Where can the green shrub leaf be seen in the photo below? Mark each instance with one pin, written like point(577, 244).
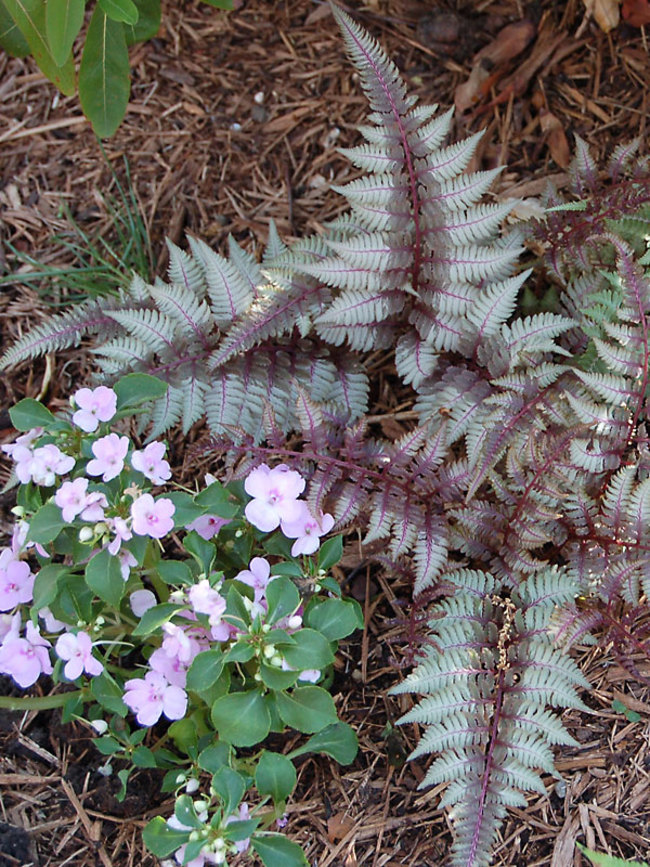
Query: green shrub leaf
point(307, 709)
point(46, 524)
point(148, 22)
point(276, 851)
point(11, 39)
point(205, 670)
point(162, 840)
point(137, 388)
point(155, 617)
point(275, 775)
point(338, 740)
point(104, 75)
point(120, 10)
point(29, 16)
point(104, 577)
point(241, 718)
point(309, 649)
point(335, 618)
point(29, 413)
point(230, 787)
point(63, 20)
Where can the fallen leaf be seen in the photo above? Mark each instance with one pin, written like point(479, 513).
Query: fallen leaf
point(508, 43)
point(606, 13)
point(636, 12)
point(555, 138)
point(338, 826)
point(469, 92)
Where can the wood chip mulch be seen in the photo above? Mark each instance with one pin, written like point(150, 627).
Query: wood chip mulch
point(234, 122)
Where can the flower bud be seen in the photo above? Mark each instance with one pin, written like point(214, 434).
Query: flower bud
point(86, 534)
point(201, 805)
point(266, 627)
point(180, 779)
point(100, 726)
point(269, 651)
point(294, 622)
point(276, 660)
point(192, 785)
point(194, 836)
point(18, 511)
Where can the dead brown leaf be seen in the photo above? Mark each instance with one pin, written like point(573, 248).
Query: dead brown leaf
point(606, 13)
point(636, 12)
point(338, 826)
point(508, 43)
point(555, 138)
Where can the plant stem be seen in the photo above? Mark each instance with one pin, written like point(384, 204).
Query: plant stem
point(37, 702)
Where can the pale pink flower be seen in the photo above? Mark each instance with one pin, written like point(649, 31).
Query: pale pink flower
point(306, 530)
point(25, 659)
point(179, 644)
point(127, 561)
point(122, 534)
point(16, 584)
point(9, 626)
point(93, 509)
point(310, 675)
point(170, 666)
point(256, 576)
point(78, 651)
point(50, 621)
point(153, 695)
point(47, 463)
point(71, 498)
point(22, 451)
point(152, 517)
point(274, 493)
point(19, 541)
point(150, 461)
point(141, 601)
point(95, 405)
point(109, 452)
point(207, 526)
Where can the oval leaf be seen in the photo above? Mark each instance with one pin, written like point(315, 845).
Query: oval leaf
point(104, 76)
point(275, 775)
point(308, 709)
point(104, 577)
point(63, 20)
point(29, 15)
point(120, 10)
point(241, 718)
point(276, 851)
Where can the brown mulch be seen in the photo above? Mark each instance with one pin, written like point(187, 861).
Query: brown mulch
point(234, 121)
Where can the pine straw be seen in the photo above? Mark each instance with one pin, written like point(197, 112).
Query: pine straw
point(234, 121)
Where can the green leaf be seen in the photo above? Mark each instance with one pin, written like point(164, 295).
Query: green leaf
point(241, 718)
point(137, 388)
point(143, 757)
point(63, 20)
point(216, 500)
point(104, 577)
point(184, 734)
point(608, 860)
point(230, 787)
point(309, 649)
point(307, 709)
point(29, 15)
point(107, 693)
point(330, 553)
point(185, 812)
point(275, 850)
point(107, 745)
point(205, 670)
point(104, 74)
point(148, 22)
point(29, 413)
point(120, 10)
point(175, 572)
point(11, 39)
point(275, 775)
point(276, 678)
point(338, 740)
point(46, 524)
point(242, 651)
point(335, 618)
point(46, 585)
point(161, 840)
point(203, 552)
point(283, 598)
point(186, 510)
point(155, 617)
point(214, 757)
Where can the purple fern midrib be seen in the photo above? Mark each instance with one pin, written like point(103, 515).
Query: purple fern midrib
point(413, 183)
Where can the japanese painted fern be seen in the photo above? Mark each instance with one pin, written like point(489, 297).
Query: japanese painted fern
point(524, 487)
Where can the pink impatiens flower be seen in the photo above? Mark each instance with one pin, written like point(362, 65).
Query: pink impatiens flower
point(141, 601)
point(153, 695)
point(16, 581)
point(78, 651)
point(71, 498)
point(204, 599)
point(25, 659)
point(150, 463)
point(207, 526)
point(256, 576)
point(152, 517)
point(47, 463)
point(274, 493)
point(95, 405)
point(109, 452)
point(306, 530)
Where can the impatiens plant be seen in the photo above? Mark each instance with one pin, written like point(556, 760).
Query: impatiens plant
point(210, 637)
